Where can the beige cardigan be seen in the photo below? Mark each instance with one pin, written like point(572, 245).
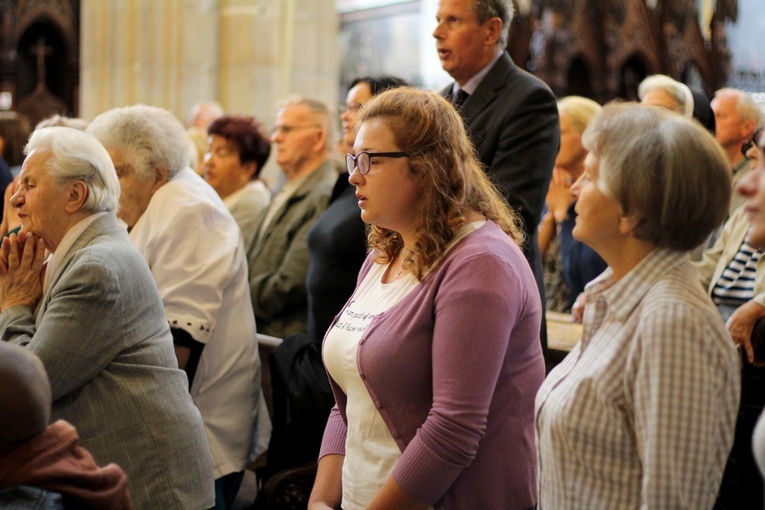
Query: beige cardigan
point(717, 258)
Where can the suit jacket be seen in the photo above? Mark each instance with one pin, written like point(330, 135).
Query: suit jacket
point(512, 119)
point(278, 262)
point(100, 331)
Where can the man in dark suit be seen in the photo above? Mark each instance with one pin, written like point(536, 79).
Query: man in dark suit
point(511, 115)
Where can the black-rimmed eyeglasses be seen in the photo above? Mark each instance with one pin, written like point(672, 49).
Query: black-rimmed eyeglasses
point(363, 160)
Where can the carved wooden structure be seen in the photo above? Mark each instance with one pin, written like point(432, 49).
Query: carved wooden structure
point(602, 49)
point(39, 56)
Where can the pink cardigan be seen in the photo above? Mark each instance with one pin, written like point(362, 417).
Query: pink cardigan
point(453, 369)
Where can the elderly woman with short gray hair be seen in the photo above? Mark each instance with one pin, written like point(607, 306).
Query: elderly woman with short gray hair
point(93, 315)
point(641, 413)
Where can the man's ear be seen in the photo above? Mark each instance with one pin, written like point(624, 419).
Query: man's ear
point(321, 140)
point(493, 30)
point(160, 178)
point(748, 127)
point(77, 195)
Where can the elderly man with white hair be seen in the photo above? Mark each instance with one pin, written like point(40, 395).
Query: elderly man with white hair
point(93, 315)
point(661, 90)
point(196, 254)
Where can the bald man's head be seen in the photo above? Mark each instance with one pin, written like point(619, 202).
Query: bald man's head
point(25, 397)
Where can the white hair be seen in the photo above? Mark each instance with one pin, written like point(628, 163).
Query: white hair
point(75, 156)
point(680, 92)
point(149, 137)
point(746, 106)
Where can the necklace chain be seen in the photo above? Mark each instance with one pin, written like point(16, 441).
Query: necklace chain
point(400, 257)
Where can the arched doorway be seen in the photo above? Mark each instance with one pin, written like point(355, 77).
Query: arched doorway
point(579, 79)
point(631, 74)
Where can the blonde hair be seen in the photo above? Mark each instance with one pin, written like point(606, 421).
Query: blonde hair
point(578, 110)
point(429, 128)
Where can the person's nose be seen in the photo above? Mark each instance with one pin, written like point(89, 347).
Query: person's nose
point(748, 184)
point(577, 186)
point(17, 199)
point(438, 32)
point(355, 177)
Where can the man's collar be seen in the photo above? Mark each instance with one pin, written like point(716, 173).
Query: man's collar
point(472, 83)
point(308, 167)
point(744, 163)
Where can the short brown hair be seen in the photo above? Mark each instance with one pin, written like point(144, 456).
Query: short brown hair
point(666, 171)
point(246, 134)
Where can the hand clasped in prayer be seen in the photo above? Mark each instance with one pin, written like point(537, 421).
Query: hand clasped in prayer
point(22, 259)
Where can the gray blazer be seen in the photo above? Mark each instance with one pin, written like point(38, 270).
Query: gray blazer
point(278, 264)
point(248, 211)
point(100, 331)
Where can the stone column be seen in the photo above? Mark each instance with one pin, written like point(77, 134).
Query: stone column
point(246, 54)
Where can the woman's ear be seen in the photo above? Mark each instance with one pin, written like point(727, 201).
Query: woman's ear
point(77, 195)
point(627, 223)
point(250, 169)
point(160, 178)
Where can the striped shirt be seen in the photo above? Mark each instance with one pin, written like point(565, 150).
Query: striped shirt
point(641, 413)
point(736, 284)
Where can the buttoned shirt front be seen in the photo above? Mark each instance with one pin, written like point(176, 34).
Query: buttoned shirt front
point(641, 413)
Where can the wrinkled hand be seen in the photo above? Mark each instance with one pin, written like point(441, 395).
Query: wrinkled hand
point(741, 324)
point(559, 197)
point(577, 309)
point(21, 270)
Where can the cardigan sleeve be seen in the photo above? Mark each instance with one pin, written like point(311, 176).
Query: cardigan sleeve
point(334, 435)
point(477, 309)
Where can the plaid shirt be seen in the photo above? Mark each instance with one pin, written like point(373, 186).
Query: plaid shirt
point(641, 413)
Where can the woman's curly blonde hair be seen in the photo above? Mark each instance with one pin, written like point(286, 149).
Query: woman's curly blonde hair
point(454, 183)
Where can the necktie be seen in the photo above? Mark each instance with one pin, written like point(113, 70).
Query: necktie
point(459, 98)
